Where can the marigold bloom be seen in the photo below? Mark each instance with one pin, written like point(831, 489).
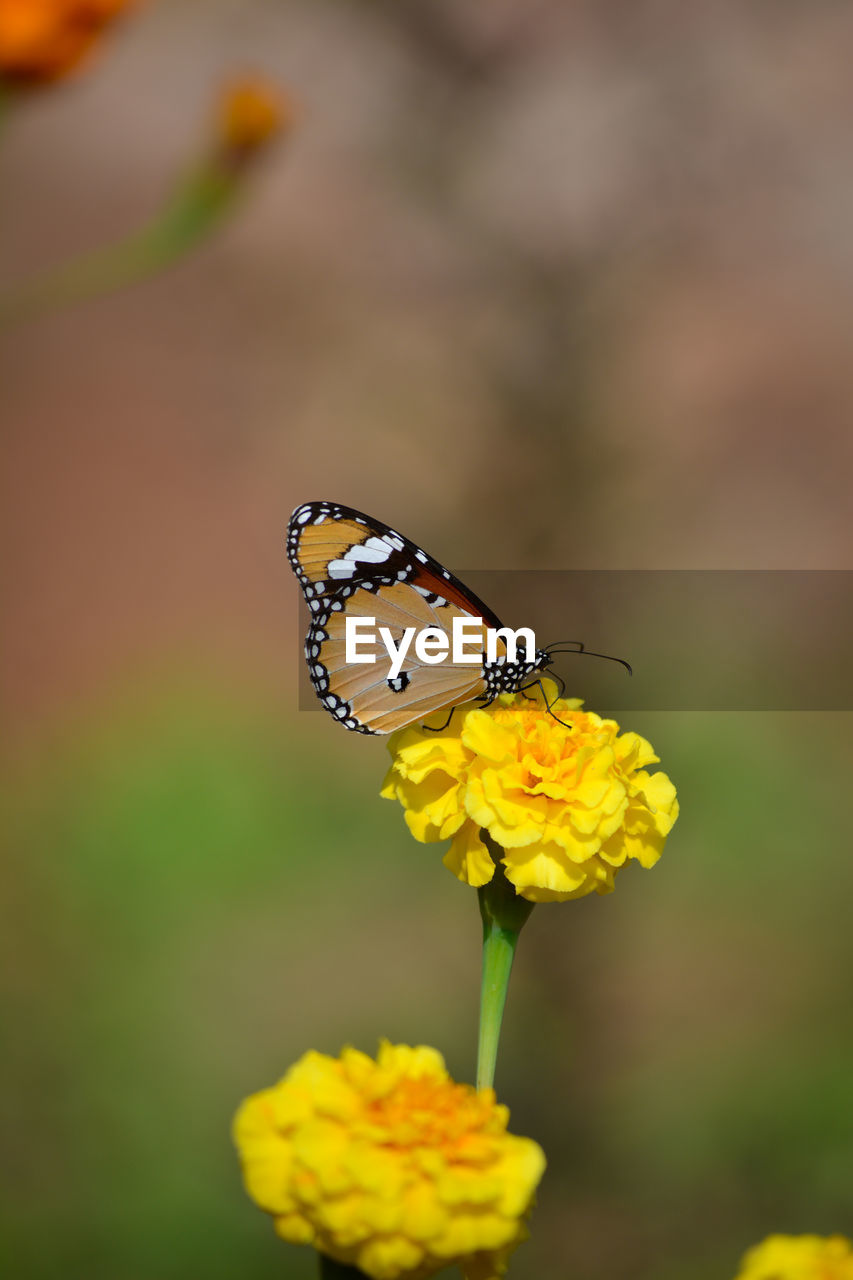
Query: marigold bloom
point(389, 1165)
point(799, 1258)
point(43, 40)
point(567, 804)
point(251, 113)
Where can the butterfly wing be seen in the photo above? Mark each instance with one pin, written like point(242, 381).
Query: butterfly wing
point(366, 696)
point(333, 549)
point(351, 565)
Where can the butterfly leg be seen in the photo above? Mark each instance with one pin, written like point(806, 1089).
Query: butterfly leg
point(561, 683)
point(552, 675)
point(548, 705)
point(428, 728)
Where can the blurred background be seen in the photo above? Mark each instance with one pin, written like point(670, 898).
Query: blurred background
point(546, 285)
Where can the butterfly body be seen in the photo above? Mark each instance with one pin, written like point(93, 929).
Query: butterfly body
point(352, 566)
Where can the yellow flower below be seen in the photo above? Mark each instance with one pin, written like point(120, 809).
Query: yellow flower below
point(388, 1165)
point(799, 1258)
point(567, 804)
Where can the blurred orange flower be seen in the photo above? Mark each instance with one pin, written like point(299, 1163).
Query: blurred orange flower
point(251, 113)
point(43, 40)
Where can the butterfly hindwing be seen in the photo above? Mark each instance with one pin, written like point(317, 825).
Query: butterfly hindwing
point(366, 696)
point(350, 565)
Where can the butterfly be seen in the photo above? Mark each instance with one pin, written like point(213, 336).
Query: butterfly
point(350, 565)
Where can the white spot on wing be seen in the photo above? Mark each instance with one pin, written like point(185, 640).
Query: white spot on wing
point(374, 551)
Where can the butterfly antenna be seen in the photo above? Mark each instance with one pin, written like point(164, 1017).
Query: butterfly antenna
point(588, 653)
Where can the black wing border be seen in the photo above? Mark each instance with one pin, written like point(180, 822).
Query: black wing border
point(414, 553)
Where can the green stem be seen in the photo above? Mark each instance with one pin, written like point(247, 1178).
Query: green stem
point(498, 953)
point(196, 209)
point(504, 914)
point(332, 1270)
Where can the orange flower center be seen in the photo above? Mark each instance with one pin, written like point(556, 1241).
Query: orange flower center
point(541, 736)
point(423, 1112)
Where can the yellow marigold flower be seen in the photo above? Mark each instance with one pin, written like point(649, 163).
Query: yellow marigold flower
point(251, 113)
point(43, 40)
point(567, 804)
point(799, 1258)
point(389, 1165)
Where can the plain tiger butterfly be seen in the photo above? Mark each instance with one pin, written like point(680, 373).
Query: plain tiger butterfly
point(350, 565)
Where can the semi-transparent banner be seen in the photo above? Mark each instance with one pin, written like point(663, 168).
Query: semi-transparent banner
point(697, 639)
